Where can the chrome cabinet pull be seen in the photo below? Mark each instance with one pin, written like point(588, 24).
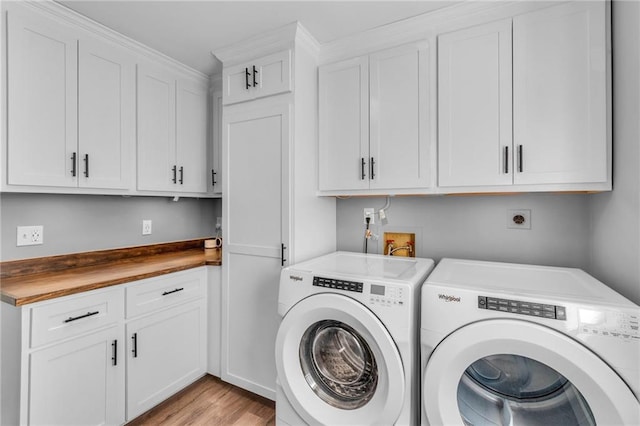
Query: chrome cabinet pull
point(88, 314)
point(172, 291)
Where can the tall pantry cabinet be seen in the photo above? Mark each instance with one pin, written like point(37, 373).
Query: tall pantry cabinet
point(271, 215)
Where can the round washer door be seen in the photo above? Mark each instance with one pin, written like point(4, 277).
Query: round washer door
point(338, 364)
point(516, 372)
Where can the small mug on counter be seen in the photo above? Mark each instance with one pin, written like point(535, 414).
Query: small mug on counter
point(213, 243)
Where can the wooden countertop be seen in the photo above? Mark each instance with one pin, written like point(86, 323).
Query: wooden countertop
point(33, 280)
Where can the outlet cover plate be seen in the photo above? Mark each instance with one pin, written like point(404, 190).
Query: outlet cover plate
point(30, 235)
point(146, 227)
point(519, 219)
point(370, 212)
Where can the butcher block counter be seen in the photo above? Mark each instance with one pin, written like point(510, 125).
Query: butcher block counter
point(33, 280)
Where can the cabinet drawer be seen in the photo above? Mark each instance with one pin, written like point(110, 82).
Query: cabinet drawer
point(262, 77)
point(161, 292)
point(74, 315)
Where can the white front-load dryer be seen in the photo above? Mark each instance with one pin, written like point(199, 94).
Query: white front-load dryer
point(508, 344)
point(347, 348)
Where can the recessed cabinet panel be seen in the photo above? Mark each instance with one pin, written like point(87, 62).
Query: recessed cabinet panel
point(78, 382)
point(255, 143)
point(156, 128)
point(165, 352)
point(106, 115)
point(398, 151)
point(344, 125)
point(474, 106)
point(42, 101)
point(560, 80)
point(191, 128)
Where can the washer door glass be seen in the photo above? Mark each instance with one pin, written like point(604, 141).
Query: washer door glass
point(515, 390)
point(338, 364)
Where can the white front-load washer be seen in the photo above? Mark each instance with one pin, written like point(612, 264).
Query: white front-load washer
point(509, 344)
point(347, 349)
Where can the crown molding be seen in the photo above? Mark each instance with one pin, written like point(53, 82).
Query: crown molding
point(285, 37)
point(71, 17)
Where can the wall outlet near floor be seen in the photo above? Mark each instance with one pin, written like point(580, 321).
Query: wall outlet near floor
point(30, 235)
point(369, 212)
point(519, 219)
point(146, 227)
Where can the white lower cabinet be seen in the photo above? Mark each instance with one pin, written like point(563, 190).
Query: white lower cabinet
point(165, 352)
point(78, 382)
point(78, 360)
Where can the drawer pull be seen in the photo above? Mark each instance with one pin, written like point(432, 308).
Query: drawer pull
point(88, 314)
point(172, 291)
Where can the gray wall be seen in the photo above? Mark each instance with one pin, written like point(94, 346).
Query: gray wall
point(476, 227)
point(76, 223)
point(598, 233)
point(615, 216)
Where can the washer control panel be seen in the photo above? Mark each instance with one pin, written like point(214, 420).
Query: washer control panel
point(337, 284)
point(386, 295)
point(523, 308)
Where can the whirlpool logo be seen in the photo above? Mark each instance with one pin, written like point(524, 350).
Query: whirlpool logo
point(295, 278)
point(448, 298)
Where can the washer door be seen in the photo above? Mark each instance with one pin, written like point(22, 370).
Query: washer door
point(510, 372)
point(338, 364)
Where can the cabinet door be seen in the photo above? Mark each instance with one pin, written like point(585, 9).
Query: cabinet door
point(256, 215)
point(106, 114)
point(216, 148)
point(157, 166)
point(262, 77)
point(78, 382)
point(399, 135)
point(344, 125)
point(560, 96)
point(191, 131)
point(474, 106)
point(42, 101)
point(166, 351)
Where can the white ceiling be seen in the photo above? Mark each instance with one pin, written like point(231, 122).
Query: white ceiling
point(189, 30)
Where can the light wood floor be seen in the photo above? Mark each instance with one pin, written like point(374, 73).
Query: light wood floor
point(210, 401)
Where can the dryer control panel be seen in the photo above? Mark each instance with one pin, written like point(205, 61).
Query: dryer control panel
point(386, 295)
point(523, 307)
point(338, 284)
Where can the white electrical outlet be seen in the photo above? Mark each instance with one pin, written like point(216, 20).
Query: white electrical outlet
point(519, 219)
point(30, 235)
point(146, 227)
point(369, 212)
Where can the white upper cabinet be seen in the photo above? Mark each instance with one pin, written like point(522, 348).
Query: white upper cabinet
point(172, 131)
point(42, 101)
point(560, 96)
point(374, 121)
point(106, 115)
point(71, 107)
point(265, 76)
point(474, 106)
point(344, 124)
point(534, 121)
